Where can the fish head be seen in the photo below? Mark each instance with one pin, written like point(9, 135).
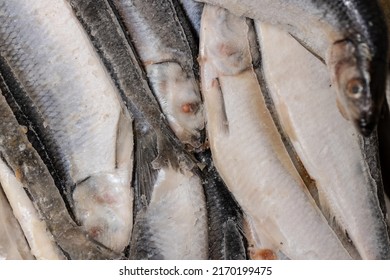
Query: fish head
point(360, 83)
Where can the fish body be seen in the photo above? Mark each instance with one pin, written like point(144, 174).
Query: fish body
point(173, 223)
point(165, 47)
point(81, 123)
point(327, 145)
point(350, 36)
point(259, 173)
point(35, 199)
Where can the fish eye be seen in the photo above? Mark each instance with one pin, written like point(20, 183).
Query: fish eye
point(355, 87)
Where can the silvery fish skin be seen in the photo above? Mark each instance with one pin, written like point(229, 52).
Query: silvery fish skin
point(13, 244)
point(173, 224)
point(259, 173)
point(225, 218)
point(350, 36)
point(31, 191)
point(331, 152)
point(162, 40)
point(118, 54)
point(87, 132)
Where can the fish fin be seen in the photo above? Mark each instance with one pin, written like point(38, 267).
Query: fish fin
point(234, 245)
point(145, 174)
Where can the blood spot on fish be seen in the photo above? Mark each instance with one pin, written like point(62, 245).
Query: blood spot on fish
point(189, 108)
point(105, 198)
point(262, 254)
point(95, 232)
point(226, 50)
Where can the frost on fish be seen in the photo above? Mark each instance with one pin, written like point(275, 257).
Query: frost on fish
point(327, 144)
point(173, 224)
point(166, 51)
point(13, 244)
point(350, 36)
point(60, 87)
point(259, 173)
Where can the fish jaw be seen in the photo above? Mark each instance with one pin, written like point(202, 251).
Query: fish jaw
point(360, 83)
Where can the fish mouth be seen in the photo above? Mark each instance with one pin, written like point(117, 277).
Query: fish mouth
point(365, 124)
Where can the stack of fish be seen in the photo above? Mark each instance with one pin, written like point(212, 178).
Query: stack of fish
point(167, 129)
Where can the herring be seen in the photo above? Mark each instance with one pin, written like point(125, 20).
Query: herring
point(60, 84)
point(167, 49)
point(247, 149)
point(350, 36)
point(339, 160)
point(173, 224)
point(35, 199)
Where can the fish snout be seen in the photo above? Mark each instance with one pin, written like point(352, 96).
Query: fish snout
point(366, 122)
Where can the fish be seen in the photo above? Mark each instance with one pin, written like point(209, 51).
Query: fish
point(173, 225)
point(167, 50)
point(226, 237)
point(36, 201)
point(13, 244)
point(247, 149)
point(170, 219)
point(349, 36)
point(117, 52)
point(328, 146)
point(59, 84)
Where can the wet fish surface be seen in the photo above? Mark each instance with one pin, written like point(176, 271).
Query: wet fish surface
point(167, 49)
point(59, 84)
point(339, 160)
point(260, 174)
point(350, 36)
